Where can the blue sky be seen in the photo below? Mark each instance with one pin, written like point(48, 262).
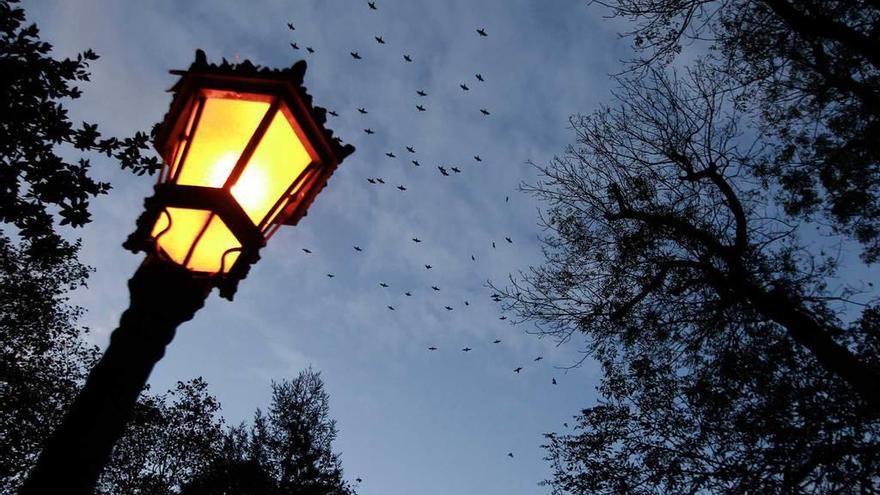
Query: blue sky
point(410, 420)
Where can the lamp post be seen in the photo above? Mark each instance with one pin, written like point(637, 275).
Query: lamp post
point(244, 152)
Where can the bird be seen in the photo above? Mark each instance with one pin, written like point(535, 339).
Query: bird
point(517, 370)
point(307, 251)
point(482, 32)
point(565, 425)
point(508, 240)
point(310, 49)
point(330, 275)
point(380, 181)
point(502, 318)
point(448, 308)
point(421, 93)
point(443, 171)
point(390, 155)
point(432, 348)
point(362, 111)
point(391, 308)
point(369, 131)
point(456, 170)
point(407, 294)
point(290, 26)
point(428, 267)
point(372, 5)
point(358, 249)
point(538, 358)
point(407, 58)
point(477, 158)
point(464, 87)
point(435, 287)
point(473, 258)
point(484, 111)
point(379, 40)
point(467, 303)
point(420, 108)
point(401, 188)
point(410, 149)
point(506, 199)
point(383, 284)
point(496, 341)
point(493, 244)
point(358, 480)
point(467, 349)
point(554, 381)
point(480, 77)
point(510, 454)
point(416, 163)
point(416, 239)
point(331, 112)
point(355, 55)
point(294, 46)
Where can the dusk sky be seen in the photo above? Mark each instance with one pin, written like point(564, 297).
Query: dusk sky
point(411, 421)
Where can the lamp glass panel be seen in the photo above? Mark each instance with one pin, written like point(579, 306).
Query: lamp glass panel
point(213, 246)
point(277, 161)
point(223, 130)
point(178, 229)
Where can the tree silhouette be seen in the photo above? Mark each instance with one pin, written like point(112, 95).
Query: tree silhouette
point(729, 365)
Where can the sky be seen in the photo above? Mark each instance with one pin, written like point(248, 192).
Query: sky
point(410, 420)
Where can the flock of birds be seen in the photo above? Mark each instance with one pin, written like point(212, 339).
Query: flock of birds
point(411, 153)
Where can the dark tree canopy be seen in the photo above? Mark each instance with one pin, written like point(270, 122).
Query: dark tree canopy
point(729, 366)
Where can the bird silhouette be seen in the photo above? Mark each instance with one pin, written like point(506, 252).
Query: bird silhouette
point(407, 294)
point(416, 163)
point(482, 32)
point(472, 258)
point(372, 5)
point(477, 158)
point(390, 155)
point(538, 358)
point(331, 112)
point(379, 40)
point(330, 275)
point(467, 349)
point(410, 149)
point(310, 49)
point(401, 188)
point(362, 111)
point(565, 425)
point(456, 170)
point(428, 267)
point(493, 244)
point(510, 454)
point(480, 78)
point(355, 55)
point(484, 111)
point(496, 341)
point(506, 199)
point(502, 318)
point(307, 251)
point(294, 46)
point(508, 240)
point(416, 239)
point(358, 249)
point(517, 370)
point(358, 480)
point(391, 308)
point(432, 348)
point(383, 284)
point(420, 108)
point(443, 171)
point(407, 58)
point(464, 87)
point(380, 181)
point(421, 93)
point(448, 308)
point(467, 303)
point(290, 26)
point(369, 131)
point(435, 287)
point(554, 381)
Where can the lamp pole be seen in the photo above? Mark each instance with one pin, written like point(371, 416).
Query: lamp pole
point(163, 296)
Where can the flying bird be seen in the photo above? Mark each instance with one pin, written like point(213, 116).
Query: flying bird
point(467, 303)
point(358, 480)
point(493, 244)
point(538, 358)
point(510, 454)
point(467, 349)
point(508, 240)
point(496, 341)
point(482, 32)
point(391, 308)
point(477, 158)
point(401, 188)
point(448, 308)
point(435, 287)
point(420, 108)
point(407, 58)
point(506, 199)
point(421, 93)
point(369, 131)
point(390, 155)
point(380, 181)
point(379, 40)
point(307, 251)
point(330, 275)
point(416, 239)
point(362, 111)
point(372, 5)
point(355, 55)
point(484, 111)
point(464, 87)
point(383, 284)
point(428, 267)
point(554, 381)
point(358, 248)
point(410, 149)
point(290, 26)
point(502, 318)
point(407, 294)
point(517, 370)
point(432, 348)
point(456, 170)
point(472, 258)
point(310, 49)
point(416, 163)
point(443, 171)
point(331, 112)
point(480, 78)
point(294, 46)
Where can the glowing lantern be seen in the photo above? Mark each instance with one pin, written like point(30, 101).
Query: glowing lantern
point(244, 152)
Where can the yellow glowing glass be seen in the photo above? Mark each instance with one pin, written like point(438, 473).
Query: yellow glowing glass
point(179, 228)
point(278, 160)
point(222, 132)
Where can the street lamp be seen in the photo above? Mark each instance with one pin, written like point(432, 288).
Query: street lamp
point(244, 152)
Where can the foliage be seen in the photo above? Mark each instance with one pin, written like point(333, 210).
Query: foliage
point(728, 367)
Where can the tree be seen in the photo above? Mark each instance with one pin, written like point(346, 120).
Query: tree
point(809, 70)
point(728, 364)
point(289, 450)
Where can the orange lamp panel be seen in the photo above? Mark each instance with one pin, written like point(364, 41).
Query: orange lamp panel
point(181, 231)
